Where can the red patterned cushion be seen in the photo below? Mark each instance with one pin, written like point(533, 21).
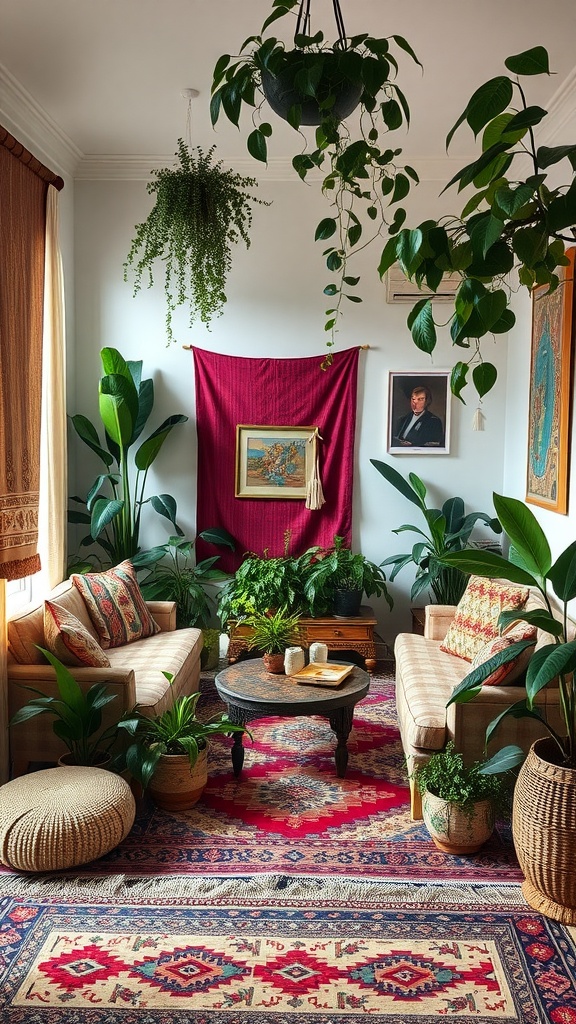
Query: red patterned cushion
point(476, 618)
point(67, 638)
point(115, 605)
point(512, 670)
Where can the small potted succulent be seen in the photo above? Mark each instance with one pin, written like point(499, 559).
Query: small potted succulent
point(458, 802)
point(169, 753)
point(272, 634)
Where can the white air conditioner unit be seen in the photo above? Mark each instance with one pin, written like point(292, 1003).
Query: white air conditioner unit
point(400, 289)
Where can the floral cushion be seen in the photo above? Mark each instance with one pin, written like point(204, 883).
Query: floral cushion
point(67, 638)
point(512, 670)
point(476, 618)
point(116, 605)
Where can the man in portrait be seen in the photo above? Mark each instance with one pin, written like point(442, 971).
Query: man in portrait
point(419, 428)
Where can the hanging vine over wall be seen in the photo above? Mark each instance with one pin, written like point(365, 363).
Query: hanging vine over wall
point(201, 210)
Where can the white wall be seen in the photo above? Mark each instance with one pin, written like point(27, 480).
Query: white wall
point(275, 309)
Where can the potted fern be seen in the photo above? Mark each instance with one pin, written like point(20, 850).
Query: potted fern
point(201, 210)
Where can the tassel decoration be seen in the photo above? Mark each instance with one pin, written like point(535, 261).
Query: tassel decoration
point(478, 421)
point(314, 493)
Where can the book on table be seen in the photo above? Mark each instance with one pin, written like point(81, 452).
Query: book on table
point(322, 673)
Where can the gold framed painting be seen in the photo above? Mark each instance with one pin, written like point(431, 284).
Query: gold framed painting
point(273, 462)
point(549, 406)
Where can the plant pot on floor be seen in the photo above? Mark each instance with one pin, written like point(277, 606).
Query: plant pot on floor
point(455, 829)
point(544, 830)
point(175, 786)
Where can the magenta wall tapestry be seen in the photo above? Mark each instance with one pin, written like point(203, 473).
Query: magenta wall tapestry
point(233, 390)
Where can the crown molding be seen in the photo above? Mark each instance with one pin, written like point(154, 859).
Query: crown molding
point(561, 110)
point(34, 128)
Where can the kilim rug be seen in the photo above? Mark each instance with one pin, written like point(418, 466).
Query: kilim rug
point(288, 812)
point(274, 951)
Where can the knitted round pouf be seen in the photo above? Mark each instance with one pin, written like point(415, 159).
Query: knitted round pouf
point(61, 817)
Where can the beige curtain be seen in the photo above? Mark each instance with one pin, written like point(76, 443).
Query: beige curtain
point(53, 453)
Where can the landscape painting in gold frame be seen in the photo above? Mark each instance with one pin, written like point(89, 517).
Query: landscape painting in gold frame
point(549, 407)
point(273, 462)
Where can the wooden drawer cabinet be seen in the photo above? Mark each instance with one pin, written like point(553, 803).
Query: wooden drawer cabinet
point(340, 634)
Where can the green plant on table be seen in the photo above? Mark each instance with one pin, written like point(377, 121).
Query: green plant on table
point(314, 82)
point(200, 211)
point(77, 715)
point(177, 730)
point(260, 584)
point(530, 564)
point(326, 570)
point(446, 775)
point(125, 405)
point(449, 529)
point(272, 633)
point(178, 579)
point(514, 221)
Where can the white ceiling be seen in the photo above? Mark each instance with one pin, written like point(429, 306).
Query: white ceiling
point(110, 73)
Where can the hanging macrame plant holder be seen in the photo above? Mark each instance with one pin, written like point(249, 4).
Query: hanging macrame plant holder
point(279, 89)
point(314, 493)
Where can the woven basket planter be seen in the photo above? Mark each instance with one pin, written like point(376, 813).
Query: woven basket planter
point(175, 786)
point(454, 830)
point(544, 830)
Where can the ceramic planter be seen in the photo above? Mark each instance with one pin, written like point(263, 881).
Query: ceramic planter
point(454, 830)
point(544, 830)
point(175, 786)
point(274, 663)
point(347, 603)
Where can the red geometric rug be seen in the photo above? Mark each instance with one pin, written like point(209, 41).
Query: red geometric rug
point(288, 813)
point(238, 955)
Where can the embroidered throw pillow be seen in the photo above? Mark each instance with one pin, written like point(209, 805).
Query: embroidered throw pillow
point(67, 638)
point(512, 670)
point(116, 605)
point(476, 618)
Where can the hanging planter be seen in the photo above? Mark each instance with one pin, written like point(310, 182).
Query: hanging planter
point(316, 83)
point(201, 210)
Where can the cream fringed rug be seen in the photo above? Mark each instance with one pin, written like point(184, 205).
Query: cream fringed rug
point(274, 949)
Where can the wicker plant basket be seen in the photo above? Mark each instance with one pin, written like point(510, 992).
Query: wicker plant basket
point(175, 786)
point(454, 830)
point(544, 830)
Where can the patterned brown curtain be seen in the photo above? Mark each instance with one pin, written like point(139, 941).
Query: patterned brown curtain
point(23, 185)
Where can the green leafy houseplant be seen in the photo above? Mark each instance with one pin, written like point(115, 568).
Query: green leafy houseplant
point(513, 221)
point(329, 570)
point(125, 404)
point(77, 715)
point(260, 584)
point(445, 775)
point(362, 178)
point(273, 633)
point(178, 579)
point(449, 529)
point(177, 730)
point(200, 211)
point(530, 564)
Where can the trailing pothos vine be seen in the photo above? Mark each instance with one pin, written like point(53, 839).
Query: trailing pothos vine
point(362, 176)
point(201, 210)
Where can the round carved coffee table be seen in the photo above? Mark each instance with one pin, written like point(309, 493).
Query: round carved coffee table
point(251, 692)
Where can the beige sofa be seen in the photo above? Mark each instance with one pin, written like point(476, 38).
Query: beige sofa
point(425, 679)
point(135, 673)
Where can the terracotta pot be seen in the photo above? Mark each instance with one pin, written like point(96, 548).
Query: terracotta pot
point(454, 830)
point(175, 786)
point(274, 663)
point(544, 830)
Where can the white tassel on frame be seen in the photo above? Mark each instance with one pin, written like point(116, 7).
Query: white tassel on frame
point(314, 493)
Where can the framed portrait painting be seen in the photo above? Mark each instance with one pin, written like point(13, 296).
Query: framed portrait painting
point(419, 412)
point(273, 462)
point(550, 393)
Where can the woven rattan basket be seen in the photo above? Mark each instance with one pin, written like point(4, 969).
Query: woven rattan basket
point(544, 829)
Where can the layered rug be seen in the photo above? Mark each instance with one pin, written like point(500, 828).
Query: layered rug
point(289, 813)
point(268, 950)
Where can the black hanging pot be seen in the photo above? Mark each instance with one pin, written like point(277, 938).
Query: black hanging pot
point(347, 603)
point(281, 94)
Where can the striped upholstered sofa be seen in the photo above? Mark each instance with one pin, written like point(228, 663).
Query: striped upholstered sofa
point(135, 673)
point(425, 679)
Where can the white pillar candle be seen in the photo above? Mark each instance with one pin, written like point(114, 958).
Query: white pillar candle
point(293, 660)
point(318, 652)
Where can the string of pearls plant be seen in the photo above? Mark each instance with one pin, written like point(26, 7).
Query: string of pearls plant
point(201, 210)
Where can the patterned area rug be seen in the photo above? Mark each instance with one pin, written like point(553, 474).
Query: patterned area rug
point(289, 813)
point(269, 951)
